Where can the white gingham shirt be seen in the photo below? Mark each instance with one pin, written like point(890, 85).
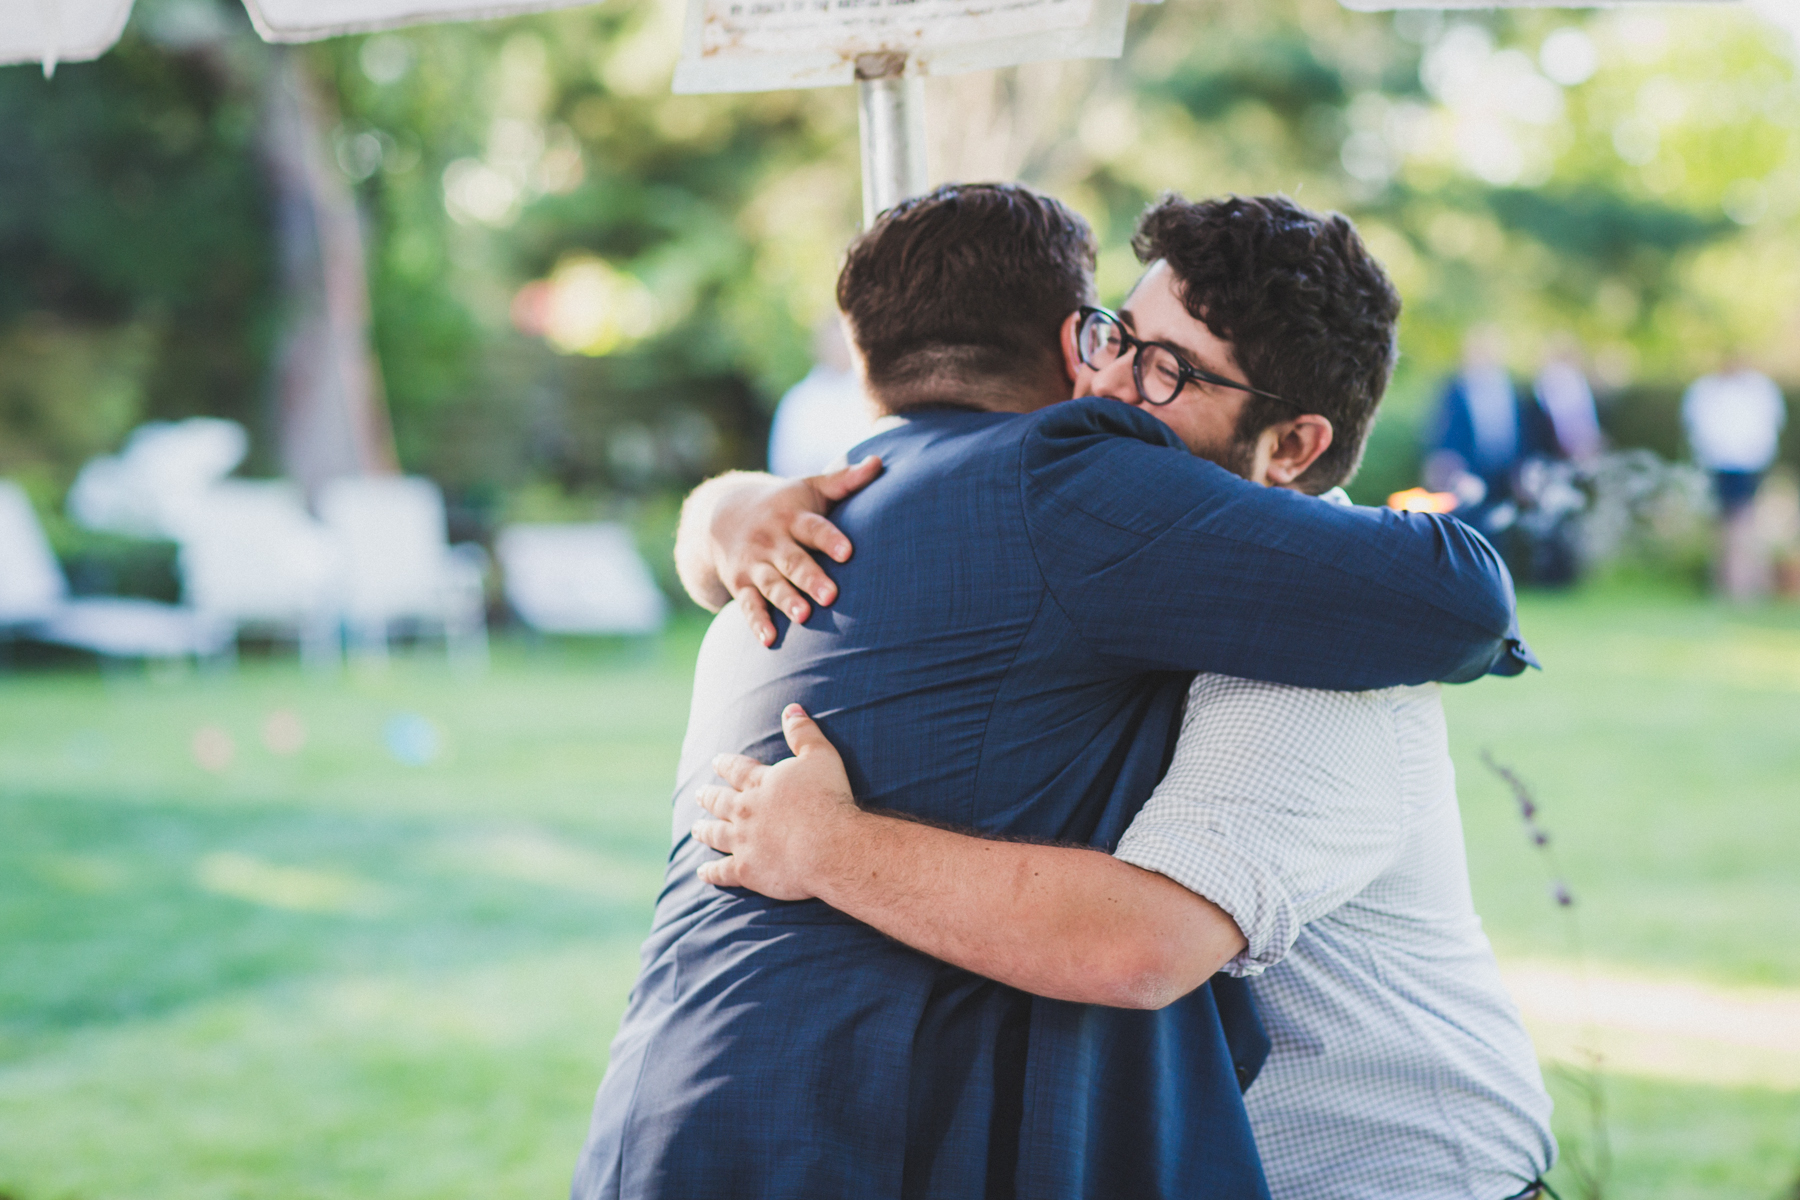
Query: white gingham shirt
point(1326, 824)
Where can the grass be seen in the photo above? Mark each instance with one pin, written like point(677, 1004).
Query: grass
point(329, 973)
point(1663, 741)
point(326, 973)
point(1663, 738)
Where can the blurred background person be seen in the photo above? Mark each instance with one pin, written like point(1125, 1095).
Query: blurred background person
point(823, 415)
point(1559, 444)
point(1476, 438)
point(1733, 418)
point(1567, 403)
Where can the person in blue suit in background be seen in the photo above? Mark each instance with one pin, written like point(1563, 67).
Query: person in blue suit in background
point(1048, 577)
point(1477, 437)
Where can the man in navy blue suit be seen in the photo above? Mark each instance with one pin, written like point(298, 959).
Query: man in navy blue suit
point(1045, 583)
point(1478, 436)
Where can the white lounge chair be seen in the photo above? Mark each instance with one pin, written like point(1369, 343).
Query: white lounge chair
point(586, 578)
point(399, 565)
point(35, 603)
point(152, 486)
point(253, 559)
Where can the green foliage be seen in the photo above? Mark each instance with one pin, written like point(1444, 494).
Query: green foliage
point(1280, 73)
point(108, 564)
point(570, 114)
point(67, 393)
point(131, 208)
point(1602, 229)
point(1647, 415)
point(1650, 208)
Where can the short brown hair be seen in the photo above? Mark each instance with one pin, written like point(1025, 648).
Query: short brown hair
point(966, 287)
point(1310, 312)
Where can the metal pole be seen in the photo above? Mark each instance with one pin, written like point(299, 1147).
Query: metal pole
point(893, 132)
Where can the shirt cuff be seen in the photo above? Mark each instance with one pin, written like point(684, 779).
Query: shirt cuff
point(1516, 658)
point(1211, 866)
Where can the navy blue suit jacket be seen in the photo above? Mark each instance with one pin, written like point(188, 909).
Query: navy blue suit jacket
point(1009, 654)
point(1453, 429)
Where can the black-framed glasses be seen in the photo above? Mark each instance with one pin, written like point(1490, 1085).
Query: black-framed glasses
point(1158, 369)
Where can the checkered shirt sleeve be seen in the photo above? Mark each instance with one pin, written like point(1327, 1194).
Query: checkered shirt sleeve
point(1281, 804)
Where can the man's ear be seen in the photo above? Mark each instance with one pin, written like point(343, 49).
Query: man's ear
point(1071, 356)
point(1293, 446)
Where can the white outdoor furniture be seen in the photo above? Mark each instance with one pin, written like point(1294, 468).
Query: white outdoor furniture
point(253, 559)
point(35, 601)
point(152, 486)
point(32, 586)
point(399, 565)
point(585, 578)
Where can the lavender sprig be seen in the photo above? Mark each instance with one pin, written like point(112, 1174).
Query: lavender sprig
point(1540, 837)
point(1589, 1163)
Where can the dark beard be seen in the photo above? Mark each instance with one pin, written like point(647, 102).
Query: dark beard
point(1239, 457)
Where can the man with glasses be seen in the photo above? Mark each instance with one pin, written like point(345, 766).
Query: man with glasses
point(1306, 839)
point(1009, 653)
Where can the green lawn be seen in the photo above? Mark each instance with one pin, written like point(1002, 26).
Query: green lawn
point(328, 973)
point(1663, 741)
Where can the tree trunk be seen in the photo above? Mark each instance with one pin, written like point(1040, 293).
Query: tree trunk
point(332, 418)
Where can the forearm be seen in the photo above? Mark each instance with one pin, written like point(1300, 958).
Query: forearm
point(694, 561)
point(1064, 922)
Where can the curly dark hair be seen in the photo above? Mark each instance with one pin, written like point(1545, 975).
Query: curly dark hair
point(1309, 311)
point(964, 290)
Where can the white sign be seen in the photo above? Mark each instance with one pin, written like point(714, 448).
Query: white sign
point(53, 31)
point(868, 26)
point(66, 31)
point(760, 45)
point(1388, 5)
point(310, 20)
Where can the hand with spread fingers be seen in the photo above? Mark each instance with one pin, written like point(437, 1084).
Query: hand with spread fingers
point(778, 824)
point(760, 547)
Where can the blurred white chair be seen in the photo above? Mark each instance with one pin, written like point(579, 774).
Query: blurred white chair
point(399, 565)
point(152, 486)
point(32, 586)
point(579, 579)
point(35, 601)
point(253, 558)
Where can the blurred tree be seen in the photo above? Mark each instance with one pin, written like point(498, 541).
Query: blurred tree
point(332, 418)
point(1546, 170)
point(134, 252)
point(577, 277)
point(635, 272)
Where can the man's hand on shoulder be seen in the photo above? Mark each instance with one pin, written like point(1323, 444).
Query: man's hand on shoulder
point(746, 536)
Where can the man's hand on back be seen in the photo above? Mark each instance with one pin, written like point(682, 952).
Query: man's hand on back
point(1067, 922)
point(746, 537)
point(778, 837)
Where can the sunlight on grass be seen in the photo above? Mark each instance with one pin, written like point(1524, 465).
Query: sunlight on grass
point(297, 889)
point(1672, 1029)
point(532, 857)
